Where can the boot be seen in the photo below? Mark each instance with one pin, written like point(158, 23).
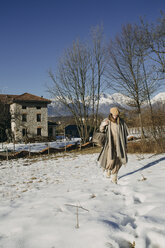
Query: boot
point(114, 178)
point(108, 173)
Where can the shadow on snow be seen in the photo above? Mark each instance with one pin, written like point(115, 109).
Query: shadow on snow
point(143, 168)
point(112, 224)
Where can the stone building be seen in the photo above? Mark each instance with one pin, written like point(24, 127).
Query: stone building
point(29, 116)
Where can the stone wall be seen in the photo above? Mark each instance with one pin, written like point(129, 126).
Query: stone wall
point(31, 124)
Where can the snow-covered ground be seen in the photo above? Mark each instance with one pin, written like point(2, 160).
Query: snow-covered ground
point(37, 196)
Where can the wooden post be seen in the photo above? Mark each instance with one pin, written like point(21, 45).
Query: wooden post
point(77, 217)
point(29, 149)
point(48, 149)
point(7, 154)
point(14, 146)
point(65, 139)
point(77, 224)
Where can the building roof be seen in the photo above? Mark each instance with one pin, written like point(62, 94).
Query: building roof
point(4, 98)
point(26, 97)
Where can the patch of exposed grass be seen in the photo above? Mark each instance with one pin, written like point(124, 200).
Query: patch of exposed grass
point(33, 178)
point(147, 146)
point(25, 190)
point(76, 152)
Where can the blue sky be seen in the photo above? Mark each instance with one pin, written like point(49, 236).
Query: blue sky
point(34, 34)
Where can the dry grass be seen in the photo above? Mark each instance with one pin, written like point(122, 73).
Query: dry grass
point(138, 146)
point(55, 156)
point(147, 146)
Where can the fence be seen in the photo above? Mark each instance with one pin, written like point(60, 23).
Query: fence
point(12, 151)
point(136, 131)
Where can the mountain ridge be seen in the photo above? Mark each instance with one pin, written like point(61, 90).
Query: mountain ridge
point(106, 102)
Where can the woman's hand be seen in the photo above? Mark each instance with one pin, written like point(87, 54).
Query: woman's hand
point(105, 123)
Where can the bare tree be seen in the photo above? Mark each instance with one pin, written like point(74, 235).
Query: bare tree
point(154, 43)
point(78, 81)
point(137, 61)
point(98, 66)
point(151, 49)
point(149, 77)
point(71, 85)
point(125, 69)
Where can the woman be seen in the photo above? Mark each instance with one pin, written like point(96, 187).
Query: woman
point(113, 154)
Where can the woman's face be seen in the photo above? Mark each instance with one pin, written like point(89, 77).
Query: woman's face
point(115, 117)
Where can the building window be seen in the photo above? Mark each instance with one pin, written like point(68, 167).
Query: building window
point(24, 132)
point(38, 107)
point(39, 131)
point(24, 117)
point(38, 117)
point(24, 107)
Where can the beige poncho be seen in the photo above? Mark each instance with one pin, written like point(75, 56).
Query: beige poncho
point(116, 142)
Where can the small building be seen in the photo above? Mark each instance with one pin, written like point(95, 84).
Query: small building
point(72, 131)
point(29, 116)
point(52, 129)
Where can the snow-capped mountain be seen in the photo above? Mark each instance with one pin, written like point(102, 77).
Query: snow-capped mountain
point(57, 109)
point(106, 102)
point(117, 99)
point(158, 98)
